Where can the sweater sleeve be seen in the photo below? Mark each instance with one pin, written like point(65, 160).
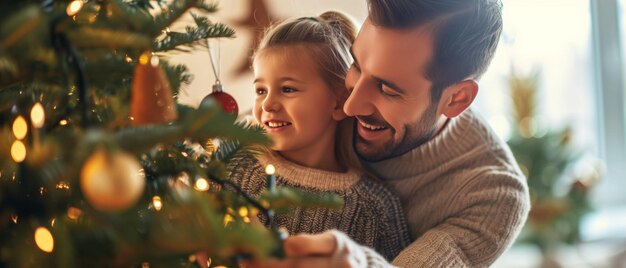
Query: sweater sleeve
point(489, 213)
point(359, 256)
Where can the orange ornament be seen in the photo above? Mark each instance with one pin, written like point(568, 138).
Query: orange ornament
point(152, 101)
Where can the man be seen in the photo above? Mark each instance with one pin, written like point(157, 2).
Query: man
point(414, 75)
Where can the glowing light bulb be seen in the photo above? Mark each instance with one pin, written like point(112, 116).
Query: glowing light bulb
point(228, 219)
point(73, 213)
point(20, 128)
point(37, 115)
point(74, 7)
point(63, 122)
point(270, 169)
point(18, 151)
point(154, 61)
point(144, 58)
point(156, 202)
point(243, 211)
point(44, 239)
point(201, 184)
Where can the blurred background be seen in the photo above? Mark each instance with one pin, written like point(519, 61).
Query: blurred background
point(554, 92)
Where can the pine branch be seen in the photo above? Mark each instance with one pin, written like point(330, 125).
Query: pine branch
point(19, 25)
point(226, 150)
point(137, 18)
point(175, 10)
point(8, 69)
point(208, 121)
point(192, 36)
point(285, 197)
point(93, 37)
point(177, 75)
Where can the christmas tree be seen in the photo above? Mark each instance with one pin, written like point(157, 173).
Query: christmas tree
point(559, 194)
point(100, 166)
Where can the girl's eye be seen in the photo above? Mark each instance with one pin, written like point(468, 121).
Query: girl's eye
point(289, 89)
point(260, 91)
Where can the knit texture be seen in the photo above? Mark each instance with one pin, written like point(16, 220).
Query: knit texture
point(372, 214)
point(463, 194)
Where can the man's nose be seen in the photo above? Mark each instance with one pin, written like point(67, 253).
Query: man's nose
point(359, 103)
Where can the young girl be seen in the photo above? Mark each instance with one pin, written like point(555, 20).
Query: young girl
point(299, 72)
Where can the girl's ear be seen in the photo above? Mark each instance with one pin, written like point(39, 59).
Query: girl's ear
point(338, 113)
point(342, 96)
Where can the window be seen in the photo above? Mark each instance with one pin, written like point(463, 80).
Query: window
point(558, 39)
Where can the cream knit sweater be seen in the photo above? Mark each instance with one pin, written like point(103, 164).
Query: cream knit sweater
point(463, 194)
point(372, 214)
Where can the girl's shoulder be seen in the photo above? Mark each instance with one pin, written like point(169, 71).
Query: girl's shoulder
point(376, 191)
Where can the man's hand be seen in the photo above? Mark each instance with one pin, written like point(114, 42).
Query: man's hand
point(308, 251)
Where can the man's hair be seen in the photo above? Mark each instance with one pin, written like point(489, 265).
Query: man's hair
point(465, 34)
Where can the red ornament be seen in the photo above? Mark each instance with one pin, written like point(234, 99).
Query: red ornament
point(229, 104)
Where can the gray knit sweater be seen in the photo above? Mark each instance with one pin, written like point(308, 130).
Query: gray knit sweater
point(463, 194)
point(372, 214)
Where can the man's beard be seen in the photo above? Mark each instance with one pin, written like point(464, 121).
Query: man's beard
point(415, 135)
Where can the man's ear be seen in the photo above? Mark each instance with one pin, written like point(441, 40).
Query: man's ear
point(458, 97)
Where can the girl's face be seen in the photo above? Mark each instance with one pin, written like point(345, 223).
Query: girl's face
point(294, 104)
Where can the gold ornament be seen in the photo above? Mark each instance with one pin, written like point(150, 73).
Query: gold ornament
point(112, 182)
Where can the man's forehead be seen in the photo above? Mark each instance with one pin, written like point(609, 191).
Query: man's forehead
point(411, 47)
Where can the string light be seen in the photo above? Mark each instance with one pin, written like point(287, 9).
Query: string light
point(20, 128)
point(14, 218)
point(37, 115)
point(44, 239)
point(154, 61)
point(156, 202)
point(201, 184)
point(73, 213)
point(228, 219)
point(63, 122)
point(265, 204)
point(62, 185)
point(271, 180)
point(74, 7)
point(243, 211)
point(270, 169)
point(18, 151)
point(144, 58)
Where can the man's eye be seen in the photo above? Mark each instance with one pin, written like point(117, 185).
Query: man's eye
point(387, 92)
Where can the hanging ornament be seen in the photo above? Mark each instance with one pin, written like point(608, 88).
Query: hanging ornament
point(112, 182)
point(152, 101)
point(229, 104)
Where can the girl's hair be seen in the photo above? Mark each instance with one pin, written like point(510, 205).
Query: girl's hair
point(328, 39)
